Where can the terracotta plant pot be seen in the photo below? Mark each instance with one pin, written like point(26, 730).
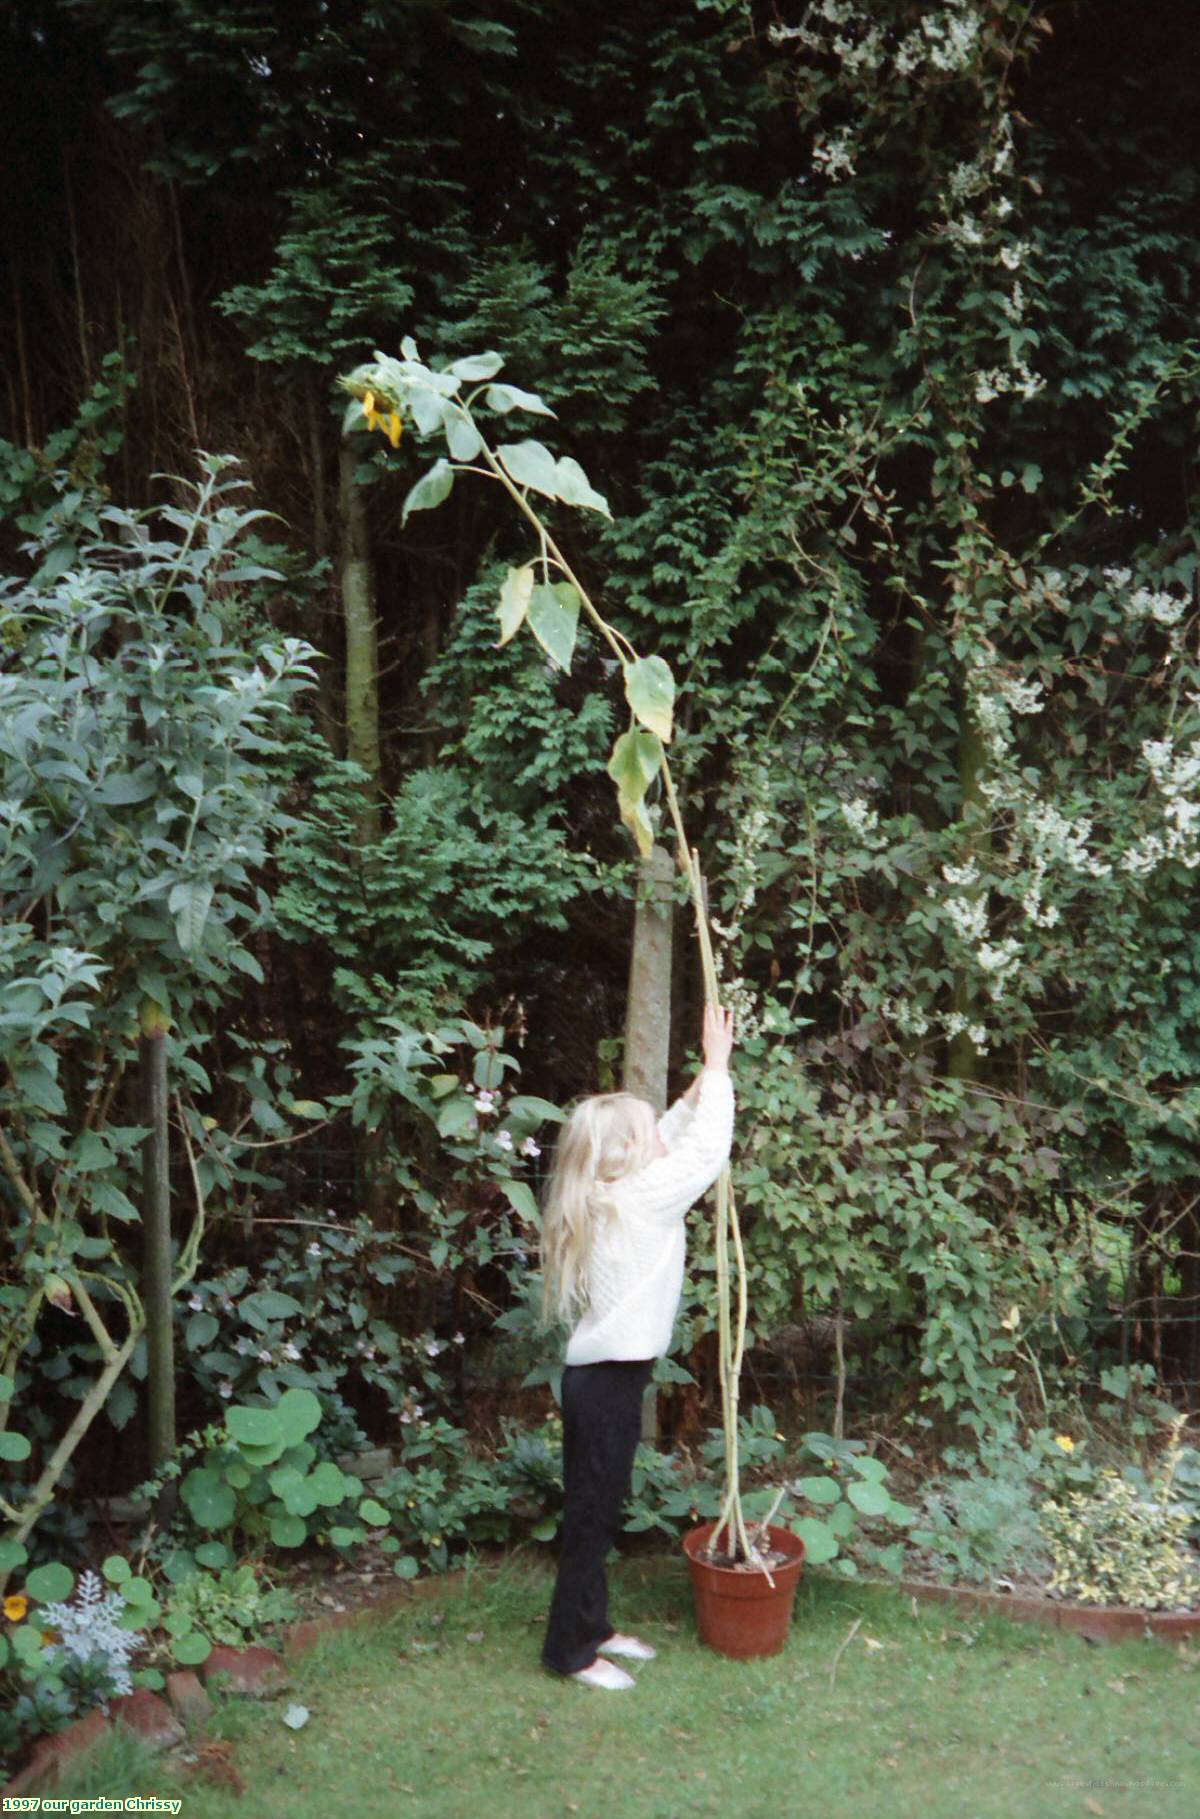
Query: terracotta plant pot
point(739, 1613)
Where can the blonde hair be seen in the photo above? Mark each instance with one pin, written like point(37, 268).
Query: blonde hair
point(607, 1136)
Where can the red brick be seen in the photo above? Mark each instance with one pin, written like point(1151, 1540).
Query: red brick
point(192, 1704)
point(255, 1670)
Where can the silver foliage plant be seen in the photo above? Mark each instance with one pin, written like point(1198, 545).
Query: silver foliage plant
point(89, 1629)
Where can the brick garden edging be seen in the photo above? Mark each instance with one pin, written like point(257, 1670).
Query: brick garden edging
point(1096, 1622)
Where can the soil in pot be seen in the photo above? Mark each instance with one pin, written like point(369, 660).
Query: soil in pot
point(739, 1612)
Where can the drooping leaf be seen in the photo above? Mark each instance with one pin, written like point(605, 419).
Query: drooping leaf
point(476, 366)
point(514, 601)
point(633, 813)
point(554, 620)
point(574, 487)
point(512, 398)
point(430, 490)
point(462, 438)
point(650, 692)
point(635, 761)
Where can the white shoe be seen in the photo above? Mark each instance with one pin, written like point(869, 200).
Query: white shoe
point(627, 1645)
point(604, 1673)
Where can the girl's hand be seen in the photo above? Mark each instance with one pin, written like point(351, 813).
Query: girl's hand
point(717, 1040)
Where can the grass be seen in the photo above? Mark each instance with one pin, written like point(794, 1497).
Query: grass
point(931, 1713)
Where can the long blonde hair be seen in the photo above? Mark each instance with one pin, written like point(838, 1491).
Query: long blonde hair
point(606, 1136)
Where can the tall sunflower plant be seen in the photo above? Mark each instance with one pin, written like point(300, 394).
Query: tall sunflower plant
point(545, 596)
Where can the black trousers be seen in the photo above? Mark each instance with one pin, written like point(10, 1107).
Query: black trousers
point(602, 1420)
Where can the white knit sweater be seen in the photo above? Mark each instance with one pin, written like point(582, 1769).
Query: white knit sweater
point(635, 1273)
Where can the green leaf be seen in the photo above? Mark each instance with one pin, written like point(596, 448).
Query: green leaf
point(298, 1410)
point(554, 620)
point(189, 903)
point(50, 1584)
point(455, 1118)
point(192, 1649)
point(635, 761)
point(871, 1499)
point(406, 1567)
point(116, 1569)
point(252, 1426)
point(520, 1197)
point(430, 490)
point(288, 1531)
point(512, 398)
point(531, 464)
point(650, 692)
point(820, 1543)
point(462, 438)
point(818, 1490)
point(372, 1511)
point(528, 1110)
point(476, 366)
point(632, 811)
point(574, 487)
point(514, 601)
point(201, 1330)
point(208, 1497)
point(13, 1447)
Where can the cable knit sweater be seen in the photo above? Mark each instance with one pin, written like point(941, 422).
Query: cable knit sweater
point(635, 1273)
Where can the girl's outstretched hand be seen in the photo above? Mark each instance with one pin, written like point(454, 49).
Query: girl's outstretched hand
point(717, 1039)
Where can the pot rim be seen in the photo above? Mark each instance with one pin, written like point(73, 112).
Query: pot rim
point(783, 1538)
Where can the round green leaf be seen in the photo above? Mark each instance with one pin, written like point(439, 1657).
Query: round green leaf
point(214, 1554)
point(650, 692)
point(871, 1499)
point(406, 1567)
point(13, 1447)
point(116, 1569)
point(818, 1490)
point(820, 1543)
point(873, 1469)
point(191, 1650)
point(50, 1584)
point(208, 1497)
point(13, 1555)
point(253, 1426)
point(372, 1511)
point(288, 1531)
point(327, 1483)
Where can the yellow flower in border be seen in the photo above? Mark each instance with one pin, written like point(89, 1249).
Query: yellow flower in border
point(394, 429)
point(1065, 1441)
point(15, 1606)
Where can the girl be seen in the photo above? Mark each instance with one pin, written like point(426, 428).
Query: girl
point(613, 1242)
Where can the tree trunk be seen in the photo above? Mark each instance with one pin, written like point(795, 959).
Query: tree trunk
point(648, 1015)
point(362, 652)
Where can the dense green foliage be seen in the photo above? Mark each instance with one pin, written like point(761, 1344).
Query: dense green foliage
point(874, 326)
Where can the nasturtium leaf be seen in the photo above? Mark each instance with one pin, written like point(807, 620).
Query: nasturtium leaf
point(520, 1197)
point(476, 366)
point(818, 1490)
point(208, 1497)
point(512, 398)
point(13, 1555)
point(430, 490)
point(50, 1584)
point(867, 1467)
point(214, 1554)
point(327, 1483)
point(531, 464)
point(192, 1649)
point(13, 1447)
point(298, 1410)
point(462, 438)
point(406, 1567)
point(635, 762)
point(287, 1531)
point(514, 601)
point(650, 692)
point(820, 1544)
point(372, 1511)
point(116, 1569)
point(252, 1426)
point(871, 1499)
point(554, 620)
point(574, 488)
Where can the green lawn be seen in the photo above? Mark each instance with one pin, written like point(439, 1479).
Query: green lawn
point(932, 1713)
